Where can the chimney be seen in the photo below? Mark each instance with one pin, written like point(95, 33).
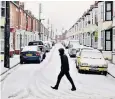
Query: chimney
point(22, 4)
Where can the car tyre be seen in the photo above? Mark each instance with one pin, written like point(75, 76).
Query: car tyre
point(21, 62)
point(105, 73)
point(79, 71)
point(39, 61)
point(77, 65)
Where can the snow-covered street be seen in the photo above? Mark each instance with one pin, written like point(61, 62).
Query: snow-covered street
point(34, 81)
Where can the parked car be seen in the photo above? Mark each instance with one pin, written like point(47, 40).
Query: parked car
point(91, 60)
point(49, 42)
point(31, 54)
point(73, 43)
point(73, 49)
point(35, 43)
point(66, 44)
point(47, 46)
point(43, 50)
point(53, 42)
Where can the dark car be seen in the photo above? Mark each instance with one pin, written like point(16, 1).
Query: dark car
point(31, 54)
point(35, 43)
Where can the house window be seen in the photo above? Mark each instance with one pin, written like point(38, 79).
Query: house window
point(102, 39)
point(108, 40)
point(108, 10)
point(113, 39)
point(92, 17)
point(102, 11)
point(108, 14)
point(108, 6)
point(3, 3)
point(3, 12)
point(2, 33)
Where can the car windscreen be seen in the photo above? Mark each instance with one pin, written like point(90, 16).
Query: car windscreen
point(35, 43)
point(75, 43)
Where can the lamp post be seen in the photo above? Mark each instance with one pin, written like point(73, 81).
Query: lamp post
point(40, 28)
point(40, 21)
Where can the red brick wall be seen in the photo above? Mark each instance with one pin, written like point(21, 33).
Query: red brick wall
point(14, 16)
point(23, 20)
point(34, 25)
point(29, 23)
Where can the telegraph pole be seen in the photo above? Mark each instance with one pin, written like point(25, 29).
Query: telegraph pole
point(7, 36)
point(51, 31)
point(19, 20)
point(40, 21)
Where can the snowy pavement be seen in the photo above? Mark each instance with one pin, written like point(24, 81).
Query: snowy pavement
point(33, 81)
point(13, 61)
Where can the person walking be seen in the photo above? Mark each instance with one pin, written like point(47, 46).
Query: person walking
point(64, 70)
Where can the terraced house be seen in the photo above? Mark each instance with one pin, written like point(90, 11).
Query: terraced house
point(24, 27)
point(96, 28)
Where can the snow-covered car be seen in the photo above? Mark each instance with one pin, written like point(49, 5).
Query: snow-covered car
point(49, 42)
point(66, 44)
point(47, 47)
point(53, 42)
point(73, 43)
point(91, 60)
point(31, 54)
point(73, 50)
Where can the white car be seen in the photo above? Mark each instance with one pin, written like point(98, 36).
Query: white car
point(47, 47)
point(91, 60)
point(73, 43)
point(72, 51)
point(48, 42)
point(66, 44)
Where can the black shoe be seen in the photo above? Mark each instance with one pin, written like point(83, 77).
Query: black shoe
point(56, 88)
point(73, 89)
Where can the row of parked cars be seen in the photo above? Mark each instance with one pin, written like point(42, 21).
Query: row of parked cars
point(35, 51)
point(87, 59)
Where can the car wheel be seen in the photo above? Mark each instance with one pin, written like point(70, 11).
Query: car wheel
point(79, 71)
point(21, 62)
point(69, 55)
point(105, 73)
point(77, 65)
point(39, 61)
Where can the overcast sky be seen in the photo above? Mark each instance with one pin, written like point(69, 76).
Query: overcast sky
point(61, 14)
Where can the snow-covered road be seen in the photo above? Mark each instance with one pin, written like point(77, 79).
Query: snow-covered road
point(33, 81)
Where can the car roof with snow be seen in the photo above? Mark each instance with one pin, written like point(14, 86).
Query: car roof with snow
point(30, 48)
point(92, 50)
point(86, 48)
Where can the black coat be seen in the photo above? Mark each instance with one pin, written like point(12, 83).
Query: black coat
point(64, 63)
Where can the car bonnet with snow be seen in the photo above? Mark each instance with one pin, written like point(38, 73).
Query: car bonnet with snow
point(93, 58)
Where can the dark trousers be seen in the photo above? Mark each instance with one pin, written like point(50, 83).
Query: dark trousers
point(61, 74)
